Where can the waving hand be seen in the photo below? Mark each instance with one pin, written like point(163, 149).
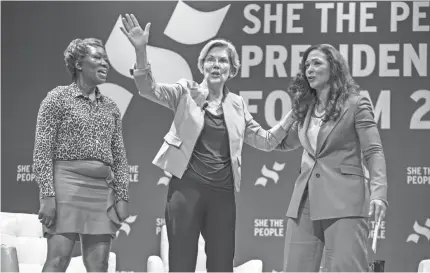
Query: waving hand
point(135, 34)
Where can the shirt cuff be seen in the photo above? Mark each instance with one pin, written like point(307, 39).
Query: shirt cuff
point(140, 71)
point(385, 201)
point(42, 196)
point(121, 198)
point(287, 122)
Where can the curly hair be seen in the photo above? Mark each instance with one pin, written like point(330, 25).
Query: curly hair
point(76, 51)
point(341, 85)
point(233, 56)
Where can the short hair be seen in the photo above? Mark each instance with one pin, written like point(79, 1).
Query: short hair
point(233, 56)
point(76, 51)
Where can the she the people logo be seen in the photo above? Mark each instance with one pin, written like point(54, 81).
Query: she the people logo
point(166, 65)
point(125, 227)
point(420, 232)
point(268, 173)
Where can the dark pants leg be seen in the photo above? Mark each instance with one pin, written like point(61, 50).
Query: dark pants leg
point(304, 242)
point(183, 220)
point(346, 244)
point(219, 229)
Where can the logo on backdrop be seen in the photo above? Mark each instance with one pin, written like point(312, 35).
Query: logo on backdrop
point(420, 232)
point(164, 180)
point(268, 227)
point(134, 173)
point(126, 225)
point(272, 174)
point(24, 173)
point(166, 65)
point(381, 233)
point(159, 224)
point(418, 175)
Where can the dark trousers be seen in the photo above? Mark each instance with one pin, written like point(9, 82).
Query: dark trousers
point(193, 208)
point(344, 240)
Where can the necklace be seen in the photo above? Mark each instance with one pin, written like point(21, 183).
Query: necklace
point(318, 114)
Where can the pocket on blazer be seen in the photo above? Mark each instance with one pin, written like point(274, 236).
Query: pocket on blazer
point(173, 140)
point(351, 169)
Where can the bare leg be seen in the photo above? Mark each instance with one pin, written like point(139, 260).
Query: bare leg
point(95, 252)
point(60, 248)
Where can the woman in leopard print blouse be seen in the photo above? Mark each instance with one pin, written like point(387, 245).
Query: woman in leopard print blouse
point(80, 162)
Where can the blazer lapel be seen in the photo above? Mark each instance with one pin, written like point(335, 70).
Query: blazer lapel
point(326, 129)
point(233, 129)
point(302, 132)
point(229, 111)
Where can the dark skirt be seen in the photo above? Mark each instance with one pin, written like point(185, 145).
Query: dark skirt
point(85, 199)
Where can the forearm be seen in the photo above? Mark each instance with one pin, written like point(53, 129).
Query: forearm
point(167, 95)
point(43, 170)
point(268, 140)
point(142, 74)
point(46, 188)
point(286, 124)
point(141, 58)
point(121, 190)
point(287, 121)
point(375, 161)
point(43, 158)
point(121, 180)
point(265, 140)
point(291, 141)
point(120, 164)
point(48, 120)
point(145, 83)
point(143, 79)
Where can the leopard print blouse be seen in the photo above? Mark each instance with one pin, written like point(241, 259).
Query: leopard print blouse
point(72, 127)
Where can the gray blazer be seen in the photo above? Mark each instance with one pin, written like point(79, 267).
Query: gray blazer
point(186, 99)
point(335, 174)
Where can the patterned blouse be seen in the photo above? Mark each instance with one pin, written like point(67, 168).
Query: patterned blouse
point(72, 127)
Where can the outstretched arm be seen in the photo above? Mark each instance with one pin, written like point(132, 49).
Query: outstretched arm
point(167, 95)
point(265, 140)
point(291, 141)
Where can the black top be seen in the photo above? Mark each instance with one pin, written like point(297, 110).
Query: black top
point(210, 162)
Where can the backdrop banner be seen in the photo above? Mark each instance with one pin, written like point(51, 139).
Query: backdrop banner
point(385, 43)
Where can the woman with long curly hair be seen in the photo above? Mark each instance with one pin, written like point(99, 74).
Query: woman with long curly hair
point(332, 197)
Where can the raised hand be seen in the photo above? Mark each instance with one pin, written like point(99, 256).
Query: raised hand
point(135, 34)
